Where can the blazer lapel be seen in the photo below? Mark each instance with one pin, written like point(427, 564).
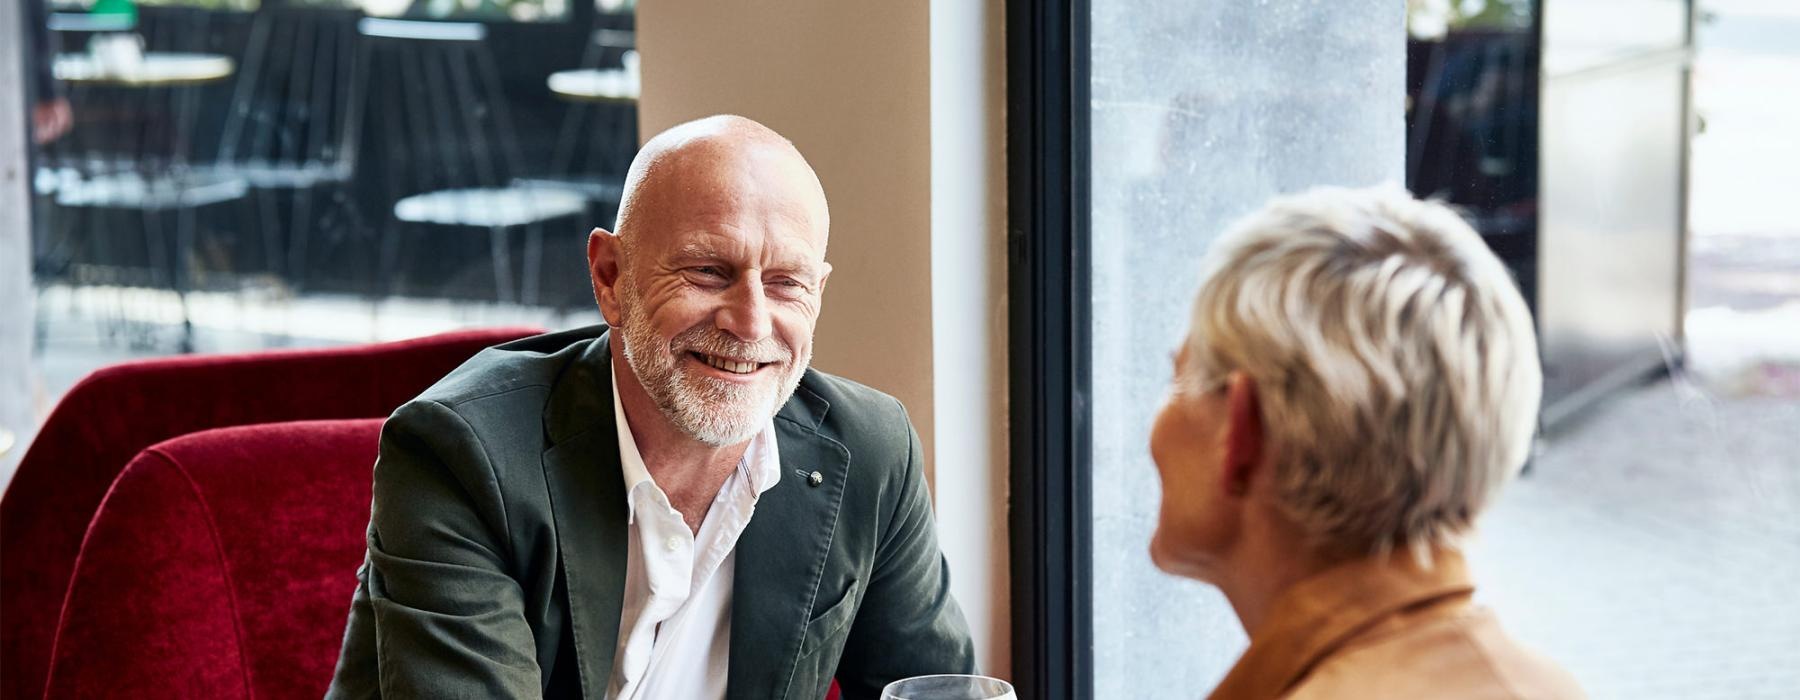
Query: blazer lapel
point(781, 554)
point(588, 499)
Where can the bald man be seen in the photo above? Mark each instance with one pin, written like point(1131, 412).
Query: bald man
point(675, 507)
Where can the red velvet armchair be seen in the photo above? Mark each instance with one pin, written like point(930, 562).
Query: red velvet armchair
point(118, 411)
point(220, 565)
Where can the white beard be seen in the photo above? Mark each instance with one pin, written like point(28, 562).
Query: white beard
point(712, 411)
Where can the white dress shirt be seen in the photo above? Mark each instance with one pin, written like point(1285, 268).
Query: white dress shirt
point(675, 624)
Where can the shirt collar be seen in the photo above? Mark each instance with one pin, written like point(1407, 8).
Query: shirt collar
point(1313, 619)
point(631, 463)
point(763, 459)
point(761, 462)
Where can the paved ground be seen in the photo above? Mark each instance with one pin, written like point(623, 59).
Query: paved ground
point(1655, 549)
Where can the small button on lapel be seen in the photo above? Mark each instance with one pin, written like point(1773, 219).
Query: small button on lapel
point(815, 478)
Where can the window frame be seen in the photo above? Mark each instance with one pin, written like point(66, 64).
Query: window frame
point(1049, 318)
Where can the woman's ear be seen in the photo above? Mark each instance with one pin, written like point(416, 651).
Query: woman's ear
point(1244, 437)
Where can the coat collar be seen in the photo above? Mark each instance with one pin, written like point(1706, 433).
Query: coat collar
point(781, 554)
point(1316, 617)
point(587, 499)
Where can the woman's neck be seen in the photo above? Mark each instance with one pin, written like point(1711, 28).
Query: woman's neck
point(1271, 560)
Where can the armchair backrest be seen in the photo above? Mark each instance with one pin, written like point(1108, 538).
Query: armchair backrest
point(118, 411)
point(221, 565)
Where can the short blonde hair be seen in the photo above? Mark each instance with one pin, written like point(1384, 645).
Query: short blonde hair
point(1395, 362)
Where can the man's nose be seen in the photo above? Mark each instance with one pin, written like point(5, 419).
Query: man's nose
point(746, 312)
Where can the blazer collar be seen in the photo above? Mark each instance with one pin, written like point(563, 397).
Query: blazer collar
point(587, 499)
point(581, 399)
point(781, 554)
point(1315, 618)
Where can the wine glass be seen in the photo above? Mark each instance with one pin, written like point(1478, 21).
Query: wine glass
point(949, 687)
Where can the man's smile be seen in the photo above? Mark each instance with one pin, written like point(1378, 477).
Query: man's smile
point(729, 365)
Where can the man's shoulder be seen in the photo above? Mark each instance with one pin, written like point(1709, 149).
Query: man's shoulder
point(491, 416)
point(498, 399)
point(523, 365)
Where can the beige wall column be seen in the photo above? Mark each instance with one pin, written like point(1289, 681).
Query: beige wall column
point(899, 108)
point(849, 83)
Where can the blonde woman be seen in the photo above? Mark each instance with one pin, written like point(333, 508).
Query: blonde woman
point(1359, 378)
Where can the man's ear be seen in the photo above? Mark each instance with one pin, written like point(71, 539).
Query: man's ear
point(1244, 436)
point(604, 260)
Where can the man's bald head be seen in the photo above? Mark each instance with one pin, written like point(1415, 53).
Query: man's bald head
point(715, 278)
point(716, 160)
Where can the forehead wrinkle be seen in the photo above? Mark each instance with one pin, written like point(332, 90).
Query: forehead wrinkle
point(697, 249)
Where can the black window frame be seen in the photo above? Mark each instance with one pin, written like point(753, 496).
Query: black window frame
point(1049, 310)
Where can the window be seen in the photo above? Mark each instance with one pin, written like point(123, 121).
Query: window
point(1142, 129)
point(312, 172)
point(1200, 112)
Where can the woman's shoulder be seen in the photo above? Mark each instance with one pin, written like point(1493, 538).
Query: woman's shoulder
point(1465, 654)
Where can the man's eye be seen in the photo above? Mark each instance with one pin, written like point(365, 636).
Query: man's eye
point(707, 275)
point(788, 287)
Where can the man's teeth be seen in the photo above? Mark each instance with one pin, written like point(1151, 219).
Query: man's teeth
point(732, 366)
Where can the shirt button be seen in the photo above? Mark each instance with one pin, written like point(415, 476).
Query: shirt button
point(673, 543)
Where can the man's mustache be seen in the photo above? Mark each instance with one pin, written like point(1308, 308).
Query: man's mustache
point(712, 341)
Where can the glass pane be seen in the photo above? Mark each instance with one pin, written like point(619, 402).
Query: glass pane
point(1433, 19)
point(307, 174)
point(1684, 479)
point(1472, 120)
point(1590, 33)
point(1201, 111)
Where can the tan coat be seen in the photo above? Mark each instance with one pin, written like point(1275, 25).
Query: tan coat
point(1388, 628)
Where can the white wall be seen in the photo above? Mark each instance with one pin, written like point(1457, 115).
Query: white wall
point(898, 107)
point(16, 297)
point(968, 293)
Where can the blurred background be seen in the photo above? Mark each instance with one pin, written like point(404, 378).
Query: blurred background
point(233, 174)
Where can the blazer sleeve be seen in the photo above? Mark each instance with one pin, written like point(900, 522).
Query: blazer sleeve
point(908, 624)
point(436, 613)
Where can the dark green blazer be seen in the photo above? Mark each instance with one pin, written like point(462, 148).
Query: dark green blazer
point(496, 561)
